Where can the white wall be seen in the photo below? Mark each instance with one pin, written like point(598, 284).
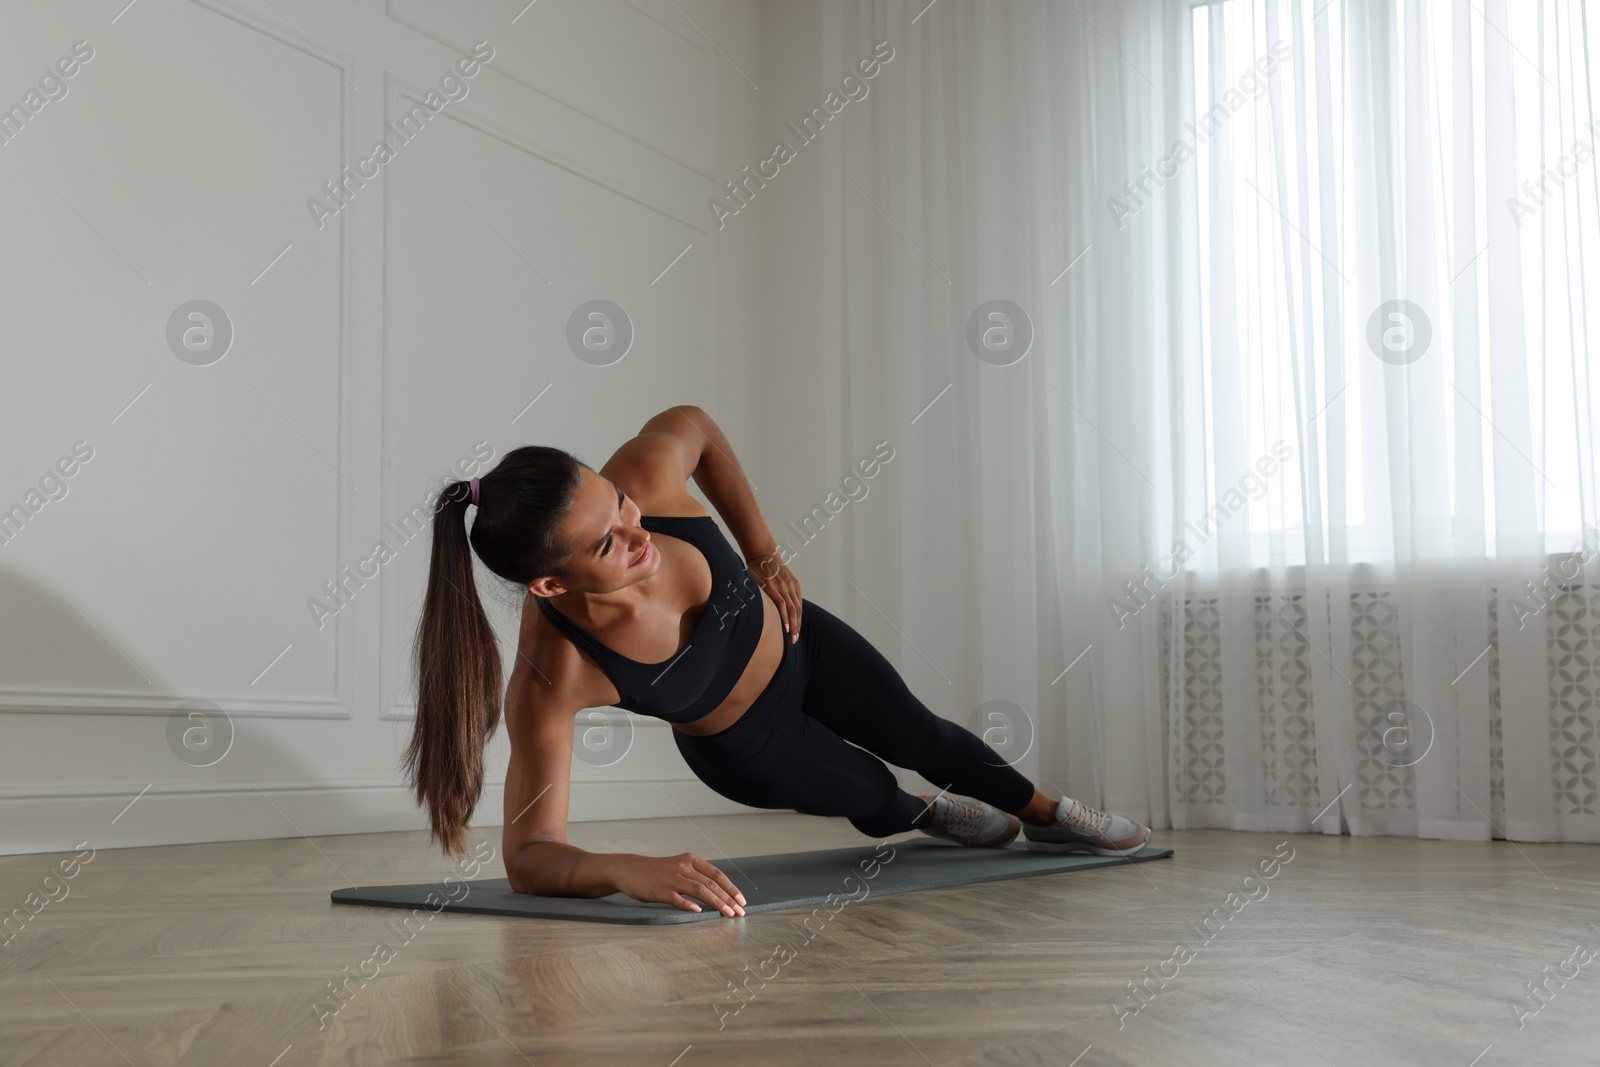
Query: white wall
point(367, 358)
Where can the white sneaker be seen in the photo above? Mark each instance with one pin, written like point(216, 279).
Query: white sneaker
point(971, 822)
point(1080, 828)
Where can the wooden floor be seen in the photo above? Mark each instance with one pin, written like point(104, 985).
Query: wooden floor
point(1355, 952)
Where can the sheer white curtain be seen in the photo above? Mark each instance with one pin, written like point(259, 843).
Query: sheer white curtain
point(1374, 294)
point(1288, 481)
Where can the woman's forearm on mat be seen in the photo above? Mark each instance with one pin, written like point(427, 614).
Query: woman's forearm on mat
point(723, 481)
point(557, 869)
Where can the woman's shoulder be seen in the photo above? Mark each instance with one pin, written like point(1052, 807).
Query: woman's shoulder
point(548, 664)
point(649, 468)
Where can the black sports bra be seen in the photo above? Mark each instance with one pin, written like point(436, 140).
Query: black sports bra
point(699, 677)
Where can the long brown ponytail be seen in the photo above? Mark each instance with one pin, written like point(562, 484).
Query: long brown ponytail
point(520, 505)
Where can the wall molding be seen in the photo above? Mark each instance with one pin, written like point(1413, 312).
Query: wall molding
point(398, 88)
point(128, 702)
point(626, 153)
point(706, 57)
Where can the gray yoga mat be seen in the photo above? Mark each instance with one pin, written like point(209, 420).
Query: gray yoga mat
point(830, 877)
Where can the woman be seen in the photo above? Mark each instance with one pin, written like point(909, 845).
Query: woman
point(635, 599)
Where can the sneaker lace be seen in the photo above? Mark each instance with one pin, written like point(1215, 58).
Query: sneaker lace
point(962, 818)
point(1086, 820)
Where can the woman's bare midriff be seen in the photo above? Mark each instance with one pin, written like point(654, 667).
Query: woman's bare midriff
point(757, 672)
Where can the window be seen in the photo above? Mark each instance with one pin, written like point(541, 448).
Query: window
point(1306, 206)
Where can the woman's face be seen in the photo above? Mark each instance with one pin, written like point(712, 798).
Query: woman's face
point(602, 526)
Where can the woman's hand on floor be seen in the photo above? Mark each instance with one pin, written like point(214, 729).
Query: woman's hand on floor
point(782, 586)
point(668, 879)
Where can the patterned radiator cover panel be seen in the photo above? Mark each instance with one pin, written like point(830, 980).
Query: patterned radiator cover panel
point(1283, 690)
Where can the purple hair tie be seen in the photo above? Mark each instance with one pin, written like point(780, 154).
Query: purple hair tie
point(474, 484)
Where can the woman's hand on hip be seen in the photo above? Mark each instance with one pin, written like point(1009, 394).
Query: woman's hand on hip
point(782, 586)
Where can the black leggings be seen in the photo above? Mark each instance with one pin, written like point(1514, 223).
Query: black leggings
point(795, 747)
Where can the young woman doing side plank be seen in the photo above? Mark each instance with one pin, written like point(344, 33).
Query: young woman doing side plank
point(636, 599)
